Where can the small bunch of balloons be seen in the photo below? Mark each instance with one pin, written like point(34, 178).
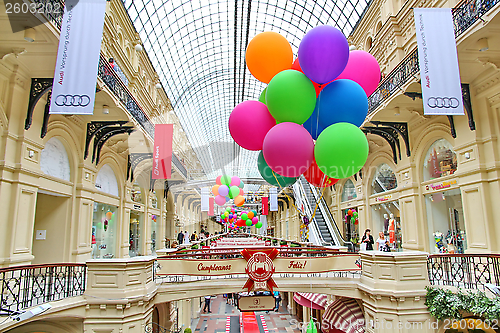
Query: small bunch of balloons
point(352, 214)
point(106, 221)
point(227, 188)
point(307, 119)
point(235, 219)
point(153, 217)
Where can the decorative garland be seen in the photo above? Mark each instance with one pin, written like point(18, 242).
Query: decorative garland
point(443, 304)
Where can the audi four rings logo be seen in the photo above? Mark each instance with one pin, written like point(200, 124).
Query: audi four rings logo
point(72, 100)
point(443, 102)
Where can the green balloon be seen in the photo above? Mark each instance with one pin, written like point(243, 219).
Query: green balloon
point(258, 225)
point(341, 150)
point(291, 97)
point(241, 184)
point(262, 97)
point(225, 180)
point(266, 173)
point(355, 214)
point(248, 223)
point(244, 217)
point(234, 191)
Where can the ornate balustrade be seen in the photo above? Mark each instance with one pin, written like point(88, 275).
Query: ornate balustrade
point(465, 14)
point(22, 287)
point(469, 271)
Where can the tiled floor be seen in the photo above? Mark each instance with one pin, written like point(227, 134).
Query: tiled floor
point(215, 322)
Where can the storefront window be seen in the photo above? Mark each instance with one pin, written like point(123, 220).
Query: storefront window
point(135, 232)
point(386, 218)
point(104, 231)
point(349, 191)
point(154, 218)
point(351, 227)
point(445, 218)
point(384, 179)
point(136, 194)
point(440, 160)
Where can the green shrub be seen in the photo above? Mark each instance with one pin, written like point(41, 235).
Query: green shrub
point(187, 330)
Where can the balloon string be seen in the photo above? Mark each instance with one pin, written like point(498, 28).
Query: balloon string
point(281, 189)
point(317, 115)
point(317, 202)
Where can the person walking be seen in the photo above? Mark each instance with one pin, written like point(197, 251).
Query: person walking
point(180, 237)
point(207, 304)
point(277, 300)
point(381, 241)
point(186, 237)
point(368, 240)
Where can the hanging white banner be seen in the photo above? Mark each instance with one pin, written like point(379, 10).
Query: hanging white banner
point(437, 55)
point(75, 77)
point(204, 199)
point(273, 199)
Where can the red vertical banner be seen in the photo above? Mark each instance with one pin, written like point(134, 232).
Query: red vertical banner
point(162, 151)
point(211, 206)
point(265, 206)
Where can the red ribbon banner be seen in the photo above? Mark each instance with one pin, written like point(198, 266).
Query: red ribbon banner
point(260, 267)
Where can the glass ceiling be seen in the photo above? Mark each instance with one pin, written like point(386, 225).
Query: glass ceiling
point(198, 49)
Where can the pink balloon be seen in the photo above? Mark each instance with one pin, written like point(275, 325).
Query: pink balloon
point(235, 181)
point(255, 220)
point(217, 180)
point(288, 149)
point(363, 69)
point(220, 200)
point(252, 115)
point(241, 192)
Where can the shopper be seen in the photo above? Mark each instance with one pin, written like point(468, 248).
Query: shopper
point(180, 237)
point(207, 304)
point(386, 247)
point(277, 300)
point(368, 240)
point(229, 299)
point(186, 237)
point(381, 241)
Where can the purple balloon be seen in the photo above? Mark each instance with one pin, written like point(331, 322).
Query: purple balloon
point(230, 216)
point(323, 54)
point(223, 190)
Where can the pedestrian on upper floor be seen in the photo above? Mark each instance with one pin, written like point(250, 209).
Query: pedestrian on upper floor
point(368, 240)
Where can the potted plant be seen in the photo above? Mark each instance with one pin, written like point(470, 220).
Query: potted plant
point(275, 242)
point(187, 330)
point(194, 247)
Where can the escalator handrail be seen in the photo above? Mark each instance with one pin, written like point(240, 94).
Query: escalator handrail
point(308, 213)
point(331, 220)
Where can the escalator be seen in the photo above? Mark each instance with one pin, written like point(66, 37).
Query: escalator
point(324, 227)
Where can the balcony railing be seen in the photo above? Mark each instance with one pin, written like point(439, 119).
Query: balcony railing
point(469, 271)
point(465, 14)
point(116, 85)
point(26, 286)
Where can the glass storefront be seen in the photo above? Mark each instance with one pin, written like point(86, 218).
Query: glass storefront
point(351, 226)
point(386, 217)
point(384, 179)
point(445, 220)
point(348, 191)
point(104, 231)
point(154, 233)
point(440, 160)
point(135, 232)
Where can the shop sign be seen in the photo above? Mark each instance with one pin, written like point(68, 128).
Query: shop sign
point(383, 198)
point(256, 303)
point(241, 242)
point(441, 185)
point(137, 207)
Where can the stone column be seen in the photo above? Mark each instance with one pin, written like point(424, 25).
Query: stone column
point(393, 285)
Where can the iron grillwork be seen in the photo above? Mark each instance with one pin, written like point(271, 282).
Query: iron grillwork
point(469, 271)
point(26, 286)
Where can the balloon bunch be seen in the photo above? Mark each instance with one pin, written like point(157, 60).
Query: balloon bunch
point(153, 217)
point(227, 188)
point(321, 96)
point(235, 219)
point(107, 221)
point(352, 214)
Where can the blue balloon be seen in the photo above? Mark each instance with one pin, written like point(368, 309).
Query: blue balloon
point(312, 126)
point(342, 101)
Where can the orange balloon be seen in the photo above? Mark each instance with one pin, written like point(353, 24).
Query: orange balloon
point(109, 215)
point(215, 190)
point(239, 200)
point(250, 215)
point(267, 54)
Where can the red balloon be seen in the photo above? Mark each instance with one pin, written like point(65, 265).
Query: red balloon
point(241, 223)
point(317, 178)
point(318, 87)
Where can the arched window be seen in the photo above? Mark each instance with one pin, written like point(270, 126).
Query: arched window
point(379, 27)
point(106, 181)
point(368, 45)
point(54, 160)
point(384, 179)
point(136, 194)
point(440, 160)
point(349, 191)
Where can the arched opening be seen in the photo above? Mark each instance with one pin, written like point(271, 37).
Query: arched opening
point(348, 191)
point(54, 160)
point(440, 160)
point(106, 181)
point(368, 44)
point(379, 27)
